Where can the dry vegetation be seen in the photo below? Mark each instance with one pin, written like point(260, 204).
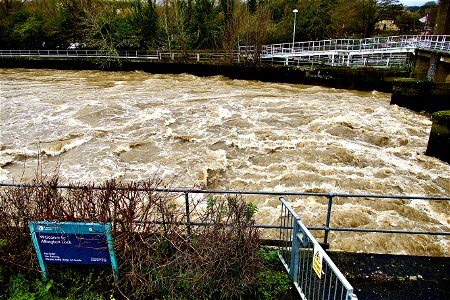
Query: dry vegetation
point(156, 255)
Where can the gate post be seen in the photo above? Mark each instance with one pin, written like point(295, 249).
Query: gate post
point(295, 251)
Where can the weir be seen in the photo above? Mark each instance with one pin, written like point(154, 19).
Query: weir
point(331, 223)
point(379, 52)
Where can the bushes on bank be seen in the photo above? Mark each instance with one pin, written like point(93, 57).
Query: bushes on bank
point(159, 256)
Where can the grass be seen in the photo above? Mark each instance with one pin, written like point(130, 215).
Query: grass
point(95, 283)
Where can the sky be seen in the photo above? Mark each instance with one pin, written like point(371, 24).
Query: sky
point(414, 2)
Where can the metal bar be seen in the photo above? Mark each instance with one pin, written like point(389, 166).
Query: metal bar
point(336, 283)
point(305, 267)
point(388, 231)
point(327, 228)
point(325, 281)
point(188, 219)
point(368, 230)
point(295, 251)
point(327, 222)
point(330, 284)
point(309, 273)
point(242, 192)
point(290, 236)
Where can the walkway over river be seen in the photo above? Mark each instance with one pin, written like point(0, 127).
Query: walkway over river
point(392, 51)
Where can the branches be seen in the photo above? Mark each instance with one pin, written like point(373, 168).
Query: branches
point(9, 6)
point(156, 255)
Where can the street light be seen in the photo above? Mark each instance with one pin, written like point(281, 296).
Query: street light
point(295, 11)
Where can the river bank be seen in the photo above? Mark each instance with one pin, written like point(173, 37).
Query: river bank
point(363, 79)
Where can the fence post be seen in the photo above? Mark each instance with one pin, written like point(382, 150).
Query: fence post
point(295, 252)
point(188, 216)
point(327, 222)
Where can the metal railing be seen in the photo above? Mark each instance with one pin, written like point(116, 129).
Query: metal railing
point(314, 274)
point(189, 195)
point(402, 43)
point(199, 56)
point(392, 51)
point(380, 60)
point(377, 51)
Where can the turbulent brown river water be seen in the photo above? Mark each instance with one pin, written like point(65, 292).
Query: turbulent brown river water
point(219, 133)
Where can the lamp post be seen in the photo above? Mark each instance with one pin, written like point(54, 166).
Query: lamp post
point(295, 11)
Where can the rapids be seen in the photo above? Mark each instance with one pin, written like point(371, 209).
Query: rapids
point(218, 133)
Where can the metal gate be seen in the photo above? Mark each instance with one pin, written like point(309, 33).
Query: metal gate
point(313, 272)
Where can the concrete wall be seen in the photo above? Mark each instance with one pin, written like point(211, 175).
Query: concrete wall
point(443, 70)
point(439, 141)
point(424, 59)
point(421, 95)
point(421, 64)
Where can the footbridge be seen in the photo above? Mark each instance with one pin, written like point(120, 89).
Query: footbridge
point(391, 51)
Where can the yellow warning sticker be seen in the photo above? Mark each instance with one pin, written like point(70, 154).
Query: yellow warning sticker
point(317, 261)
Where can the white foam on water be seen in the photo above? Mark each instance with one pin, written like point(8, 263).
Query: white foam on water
point(23, 152)
point(5, 158)
point(222, 133)
point(429, 209)
point(444, 244)
point(64, 146)
point(122, 148)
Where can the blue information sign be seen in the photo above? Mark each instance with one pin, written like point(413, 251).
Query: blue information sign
point(73, 243)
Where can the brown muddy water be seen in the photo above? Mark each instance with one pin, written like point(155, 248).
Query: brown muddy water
point(218, 133)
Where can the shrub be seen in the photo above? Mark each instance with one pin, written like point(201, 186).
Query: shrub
point(156, 255)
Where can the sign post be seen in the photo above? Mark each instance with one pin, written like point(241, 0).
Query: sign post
point(73, 243)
